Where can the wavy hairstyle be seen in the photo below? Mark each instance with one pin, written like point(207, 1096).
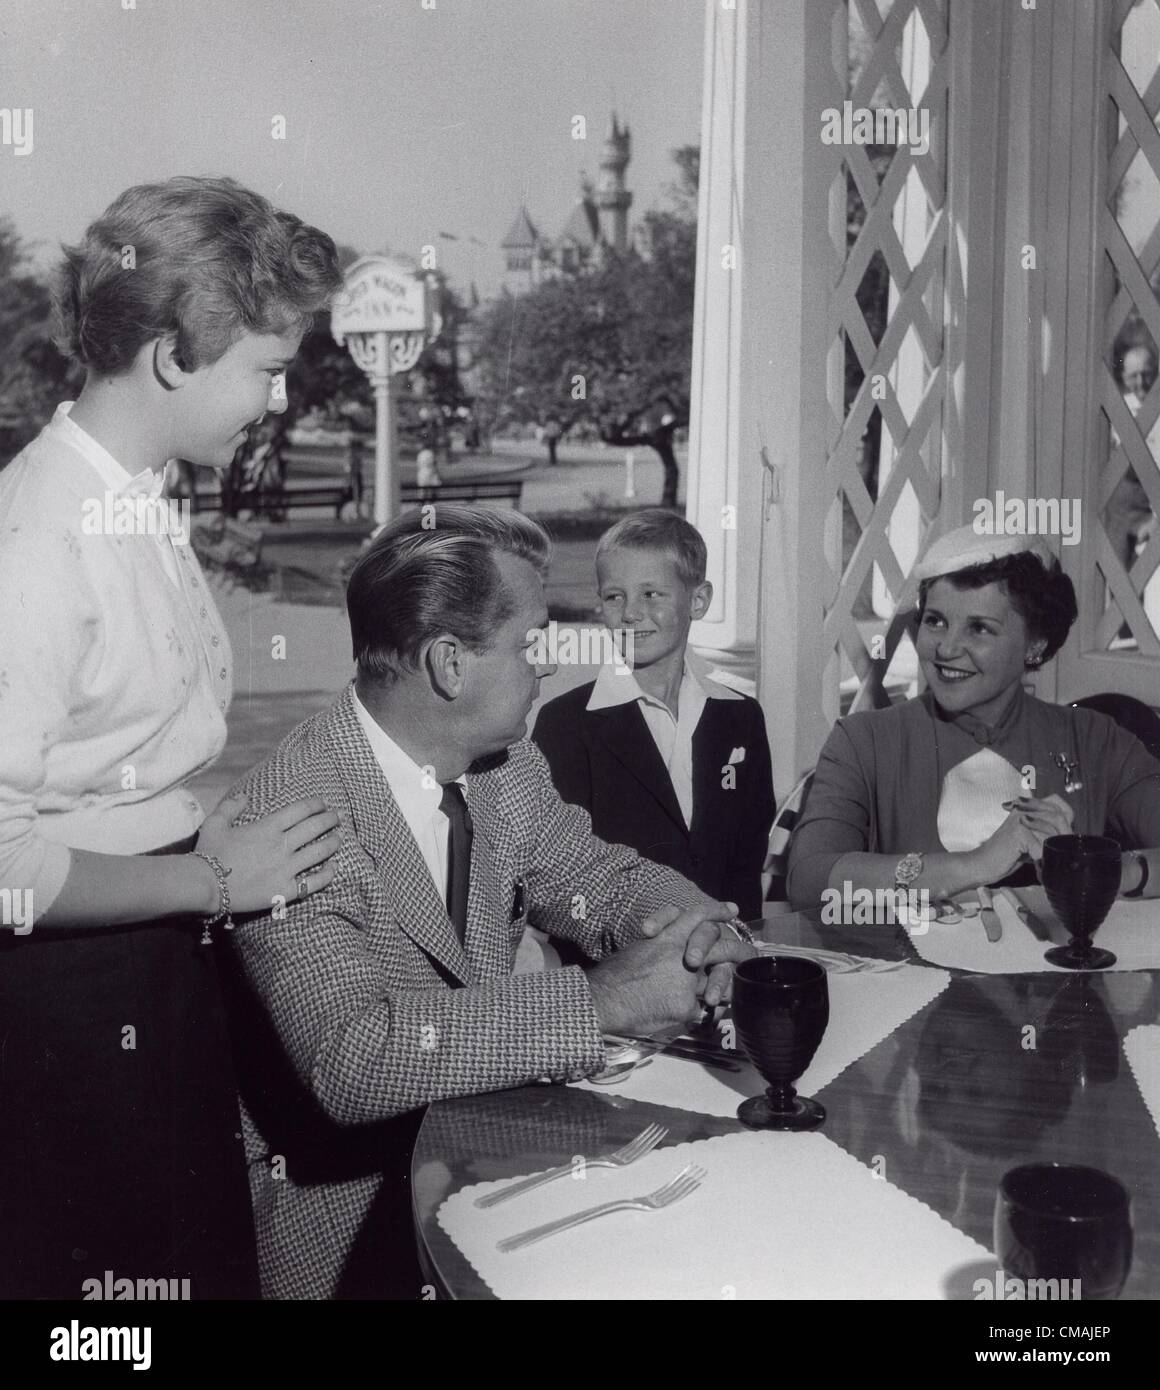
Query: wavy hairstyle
point(1043, 597)
point(204, 258)
point(416, 581)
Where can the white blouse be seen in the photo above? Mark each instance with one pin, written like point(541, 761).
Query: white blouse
point(115, 669)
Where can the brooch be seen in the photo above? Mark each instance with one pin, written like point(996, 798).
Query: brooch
point(1069, 769)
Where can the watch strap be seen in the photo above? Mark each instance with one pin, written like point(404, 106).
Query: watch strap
point(1138, 891)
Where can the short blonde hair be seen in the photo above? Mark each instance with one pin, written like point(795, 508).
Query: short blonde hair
point(656, 528)
point(203, 258)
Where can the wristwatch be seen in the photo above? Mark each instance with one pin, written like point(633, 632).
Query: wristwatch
point(907, 869)
point(1138, 891)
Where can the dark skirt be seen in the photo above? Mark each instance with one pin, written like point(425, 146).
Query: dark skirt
point(120, 1143)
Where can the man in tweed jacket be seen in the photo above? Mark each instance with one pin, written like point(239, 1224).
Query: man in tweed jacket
point(364, 1004)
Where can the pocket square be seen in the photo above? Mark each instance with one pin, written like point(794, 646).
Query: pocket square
point(737, 756)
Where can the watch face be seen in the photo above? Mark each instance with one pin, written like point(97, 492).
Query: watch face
point(908, 868)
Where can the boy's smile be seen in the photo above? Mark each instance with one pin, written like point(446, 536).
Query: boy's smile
point(642, 591)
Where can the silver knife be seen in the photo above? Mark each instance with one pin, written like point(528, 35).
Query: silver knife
point(1030, 920)
point(690, 1050)
point(987, 914)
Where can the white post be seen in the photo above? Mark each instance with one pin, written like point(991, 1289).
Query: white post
point(629, 474)
point(797, 201)
point(728, 429)
point(384, 434)
point(386, 315)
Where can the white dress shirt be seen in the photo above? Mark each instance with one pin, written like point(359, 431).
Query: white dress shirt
point(672, 736)
point(418, 796)
point(115, 669)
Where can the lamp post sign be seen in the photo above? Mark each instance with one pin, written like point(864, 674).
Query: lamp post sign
point(386, 313)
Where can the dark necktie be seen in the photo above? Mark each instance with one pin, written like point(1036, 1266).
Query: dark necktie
point(454, 807)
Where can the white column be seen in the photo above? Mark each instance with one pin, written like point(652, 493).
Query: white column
point(795, 217)
point(723, 487)
point(1018, 326)
point(384, 439)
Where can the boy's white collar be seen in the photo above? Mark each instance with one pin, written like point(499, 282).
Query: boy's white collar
point(621, 688)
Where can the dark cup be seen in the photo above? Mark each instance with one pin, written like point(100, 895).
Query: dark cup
point(1067, 1227)
point(781, 1005)
point(1081, 875)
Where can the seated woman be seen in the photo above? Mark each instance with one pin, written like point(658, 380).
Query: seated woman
point(961, 786)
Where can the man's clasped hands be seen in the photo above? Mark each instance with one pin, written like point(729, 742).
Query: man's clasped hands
point(681, 965)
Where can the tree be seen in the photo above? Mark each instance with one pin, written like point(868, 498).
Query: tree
point(612, 346)
point(34, 375)
point(323, 376)
point(434, 391)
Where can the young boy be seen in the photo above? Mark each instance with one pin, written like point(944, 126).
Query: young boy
point(663, 758)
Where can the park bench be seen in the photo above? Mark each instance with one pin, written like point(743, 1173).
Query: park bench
point(347, 467)
point(342, 463)
point(508, 490)
point(467, 490)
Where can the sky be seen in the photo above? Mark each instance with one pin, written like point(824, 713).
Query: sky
point(401, 121)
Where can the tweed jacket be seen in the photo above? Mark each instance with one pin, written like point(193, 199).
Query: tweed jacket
point(361, 1005)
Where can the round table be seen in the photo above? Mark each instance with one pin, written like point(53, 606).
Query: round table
point(947, 1103)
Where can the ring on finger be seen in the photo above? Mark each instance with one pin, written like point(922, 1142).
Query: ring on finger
point(302, 883)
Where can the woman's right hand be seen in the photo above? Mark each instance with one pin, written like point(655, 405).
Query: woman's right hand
point(266, 857)
point(1028, 824)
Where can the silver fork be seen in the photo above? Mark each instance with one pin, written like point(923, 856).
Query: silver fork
point(835, 962)
point(644, 1143)
point(686, 1181)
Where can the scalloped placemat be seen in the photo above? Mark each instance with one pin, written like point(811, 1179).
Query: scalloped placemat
point(864, 1009)
point(1132, 932)
point(776, 1216)
point(1142, 1048)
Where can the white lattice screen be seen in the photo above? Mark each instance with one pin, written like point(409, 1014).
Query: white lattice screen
point(883, 478)
point(1127, 491)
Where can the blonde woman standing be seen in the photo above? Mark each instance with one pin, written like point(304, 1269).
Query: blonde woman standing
point(119, 1145)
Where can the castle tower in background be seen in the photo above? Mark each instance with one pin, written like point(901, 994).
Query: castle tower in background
point(612, 198)
point(521, 248)
point(598, 224)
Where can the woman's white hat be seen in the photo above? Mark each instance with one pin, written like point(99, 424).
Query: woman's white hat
point(965, 548)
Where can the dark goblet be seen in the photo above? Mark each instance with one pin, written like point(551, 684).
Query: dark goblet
point(781, 1006)
point(1059, 1223)
point(1081, 874)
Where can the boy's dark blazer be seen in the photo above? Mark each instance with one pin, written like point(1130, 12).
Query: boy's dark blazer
point(605, 760)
